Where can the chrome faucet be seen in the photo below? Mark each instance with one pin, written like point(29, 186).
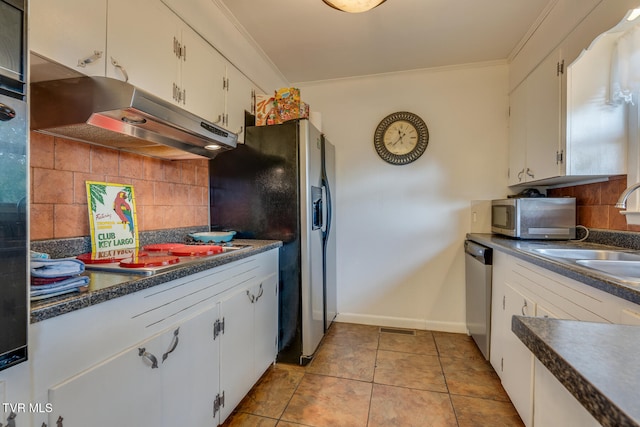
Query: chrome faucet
point(622, 201)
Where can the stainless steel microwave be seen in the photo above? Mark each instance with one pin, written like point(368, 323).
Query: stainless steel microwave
point(535, 218)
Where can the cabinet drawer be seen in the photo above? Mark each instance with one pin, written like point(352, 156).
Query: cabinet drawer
point(579, 301)
point(163, 305)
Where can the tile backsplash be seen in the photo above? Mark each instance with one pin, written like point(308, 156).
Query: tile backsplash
point(595, 203)
point(168, 194)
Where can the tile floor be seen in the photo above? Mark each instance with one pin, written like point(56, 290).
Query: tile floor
point(363, 377)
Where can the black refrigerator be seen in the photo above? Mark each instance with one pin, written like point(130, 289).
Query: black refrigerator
point(279, 185)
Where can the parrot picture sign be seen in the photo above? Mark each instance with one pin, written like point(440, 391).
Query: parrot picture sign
point(112, 218)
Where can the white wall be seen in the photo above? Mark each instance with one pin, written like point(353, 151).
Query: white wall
point(401, 228)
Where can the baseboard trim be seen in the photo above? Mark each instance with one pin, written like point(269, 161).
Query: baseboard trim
point(402, 322)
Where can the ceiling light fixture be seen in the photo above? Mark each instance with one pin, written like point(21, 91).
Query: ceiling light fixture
point(354, 6)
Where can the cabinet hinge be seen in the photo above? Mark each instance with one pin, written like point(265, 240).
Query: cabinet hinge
point(501, 364)
point(560, 68)
point(504, 300)
point(218, 403)
point(559, 157)
point(218, 328)
point(225, 83)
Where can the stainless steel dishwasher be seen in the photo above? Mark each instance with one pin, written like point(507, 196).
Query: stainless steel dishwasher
point(478, 265)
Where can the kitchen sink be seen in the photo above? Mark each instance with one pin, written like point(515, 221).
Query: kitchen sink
point(625, 270)
point(589, 254)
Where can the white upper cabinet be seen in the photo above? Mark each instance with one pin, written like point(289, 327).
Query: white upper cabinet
point(202, 77)
point(240, 98)
point(535, 116)
point(146, 44)
point(71, 32)
point(142, 37)
point(159, 53)
point(562, 129)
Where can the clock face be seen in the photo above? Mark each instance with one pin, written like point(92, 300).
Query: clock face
point(401, 138)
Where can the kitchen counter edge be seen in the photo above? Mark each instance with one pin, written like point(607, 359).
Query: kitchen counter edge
point(49, 308)
point(519, 249)
point(575, 353)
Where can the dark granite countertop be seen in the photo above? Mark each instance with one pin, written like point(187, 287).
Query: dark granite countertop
point(105, 286)
point(610, 240)
point(596, 362)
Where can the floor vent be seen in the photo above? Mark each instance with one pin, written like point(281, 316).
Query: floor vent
point(398, 331)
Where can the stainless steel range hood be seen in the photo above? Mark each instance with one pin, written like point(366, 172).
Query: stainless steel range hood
point(115, 114)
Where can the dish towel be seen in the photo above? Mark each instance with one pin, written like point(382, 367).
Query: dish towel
point(53, 277)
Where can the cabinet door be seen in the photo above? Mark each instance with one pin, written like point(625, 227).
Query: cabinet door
point(70, 32)
point(554, 404)
point(240, 98)
point(498, 322)
point(266, 325)
point(122, 390)
point(236, 347)
point(202, 77)
point(190, 377)
point(517, 374)
point(518, 134)
point(543, 119)
point(141, 36)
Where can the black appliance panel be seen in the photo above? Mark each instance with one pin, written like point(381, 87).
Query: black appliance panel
point(13, 231)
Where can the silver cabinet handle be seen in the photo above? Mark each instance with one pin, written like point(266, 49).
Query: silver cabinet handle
point(260, 293)
point(173, 345)
point(530, 173)
point(121, 68)
point(523, 307)
point(240, 130)
point(176, 47)
point(219, 119)
point(97, 54)
point(520, 174)
point(148, 358)
point(252, 298)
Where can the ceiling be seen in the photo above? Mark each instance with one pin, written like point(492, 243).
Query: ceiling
point(308, 41)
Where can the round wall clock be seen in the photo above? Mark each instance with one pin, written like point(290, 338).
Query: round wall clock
point(401, 138)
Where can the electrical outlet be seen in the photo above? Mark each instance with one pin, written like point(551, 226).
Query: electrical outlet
point(480, 216)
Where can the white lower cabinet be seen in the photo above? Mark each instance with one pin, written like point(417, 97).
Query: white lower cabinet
point(521, 288)
point(554, 404)
point(169, 379)
point(249, 339)
point(517, 365)
point(181, 353)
